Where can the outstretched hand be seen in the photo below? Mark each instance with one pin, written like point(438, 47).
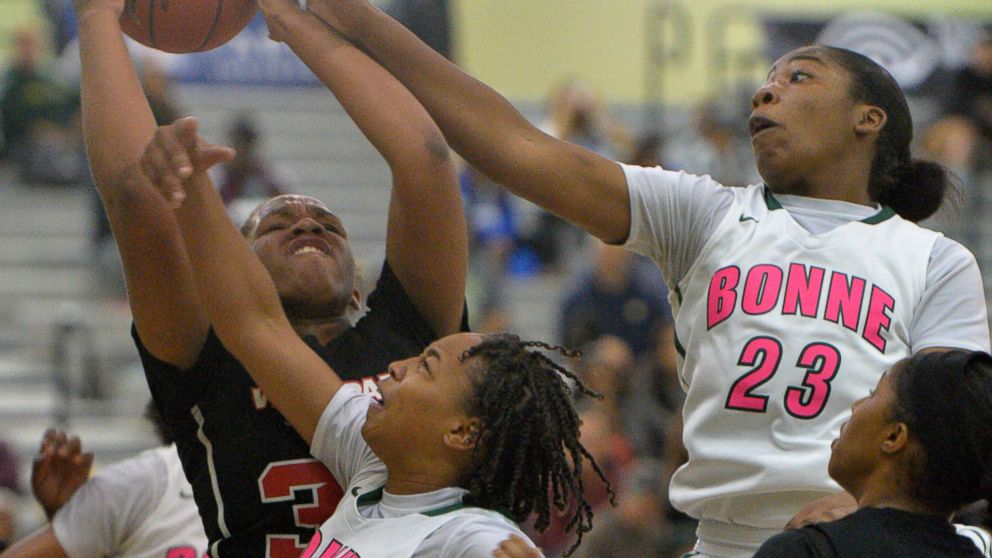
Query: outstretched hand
point(828, 508)
point(515, 547)
point(178, 153)
point(59, 469)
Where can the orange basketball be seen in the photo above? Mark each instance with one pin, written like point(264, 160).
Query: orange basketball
point(185, 25)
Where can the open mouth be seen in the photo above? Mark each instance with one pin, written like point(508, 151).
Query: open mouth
point(305, 246)
point(758, 124)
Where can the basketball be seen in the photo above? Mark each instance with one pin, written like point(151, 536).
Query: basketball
point(182, 26)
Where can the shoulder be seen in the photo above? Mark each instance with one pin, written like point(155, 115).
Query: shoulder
point(658, 177)
point(476, 533)
point(948, 253)
point(143, 468)
point(788, 544)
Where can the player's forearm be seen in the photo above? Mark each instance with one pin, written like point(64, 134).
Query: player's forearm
point(117, 121)
point(388, 115)
point(478, 122)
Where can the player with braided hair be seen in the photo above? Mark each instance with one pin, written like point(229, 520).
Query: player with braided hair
point(527, 415)
point(915, 450)
point(471, 431)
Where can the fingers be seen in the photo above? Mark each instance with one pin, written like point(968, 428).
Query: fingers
point(516, 547)
point(210, 155)
point(166, 163)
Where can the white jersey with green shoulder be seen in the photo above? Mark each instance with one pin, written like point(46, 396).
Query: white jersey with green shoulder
point(780, 330)
point(369, 522)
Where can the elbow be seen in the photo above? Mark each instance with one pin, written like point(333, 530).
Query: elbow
point(126, 191)
point(436, 148)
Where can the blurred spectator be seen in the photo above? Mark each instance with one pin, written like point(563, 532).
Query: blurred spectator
point(158, 91)
point(428, 19)
point(249, 178)
point(614, 456)
point(971, 96)
point(40, 118)
point(605, 368)
point(720, 147)
point(961, 140)
point(637, 527)
point(491, 221)
point(654, 398)
point(577, 114)
point(614, 298)
point(10, 488)
point(647, 151)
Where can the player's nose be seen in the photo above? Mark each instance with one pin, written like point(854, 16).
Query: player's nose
point(397, 370)
point(307, 225)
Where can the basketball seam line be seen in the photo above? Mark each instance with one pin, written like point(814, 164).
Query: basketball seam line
point(213, 27)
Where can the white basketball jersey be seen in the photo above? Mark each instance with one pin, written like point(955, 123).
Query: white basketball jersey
point(780, 331)
point(348, 534)
point(173, 529)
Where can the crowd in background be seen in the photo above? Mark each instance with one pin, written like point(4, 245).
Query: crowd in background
point(613, 305)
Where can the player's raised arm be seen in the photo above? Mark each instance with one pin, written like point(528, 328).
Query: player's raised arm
point(236, 289)
point(486, 130)
point(426, 242)
point(117, 124)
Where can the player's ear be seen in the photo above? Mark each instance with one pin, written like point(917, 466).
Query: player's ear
point(896, 438)
point(869, 120)
point(462, 434)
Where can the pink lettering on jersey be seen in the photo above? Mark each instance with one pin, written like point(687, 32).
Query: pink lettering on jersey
point(181, 552)
point(844, 300)
point(313, 546)
point(722, 295)
point(334, 550)
point(879, 318)
point(802, 290)
point(761, 289)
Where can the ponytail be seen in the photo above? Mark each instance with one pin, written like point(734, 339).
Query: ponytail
point(915, 190)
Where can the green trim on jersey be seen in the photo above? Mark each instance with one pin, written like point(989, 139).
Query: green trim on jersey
point(678, 344)
point(374, 496)
point(884, 214)
point(770, 200)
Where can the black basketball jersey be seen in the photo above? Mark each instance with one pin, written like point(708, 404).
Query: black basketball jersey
point(258, 489)
point(871, 533)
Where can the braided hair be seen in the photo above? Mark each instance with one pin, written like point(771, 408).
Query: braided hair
point(528, 457)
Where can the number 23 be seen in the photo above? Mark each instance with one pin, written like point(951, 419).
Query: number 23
point(820, 360)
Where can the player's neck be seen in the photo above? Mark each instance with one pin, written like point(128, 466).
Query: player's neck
point(892, 495)
point(323, 330)
point(842, 182)
point(412, 482)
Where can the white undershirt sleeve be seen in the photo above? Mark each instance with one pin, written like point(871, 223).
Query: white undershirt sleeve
point(100, 516)
point(672, 214)
point(952, 312)
point(337, 441)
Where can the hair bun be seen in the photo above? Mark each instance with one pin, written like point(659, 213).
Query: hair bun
point(917, 190)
